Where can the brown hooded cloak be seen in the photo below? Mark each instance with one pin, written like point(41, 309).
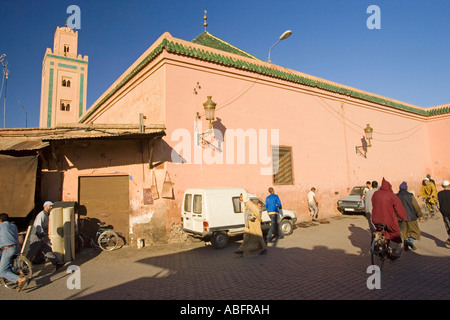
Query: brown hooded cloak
point(253, 235)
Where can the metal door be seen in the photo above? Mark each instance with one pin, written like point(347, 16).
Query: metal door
point(107, 199)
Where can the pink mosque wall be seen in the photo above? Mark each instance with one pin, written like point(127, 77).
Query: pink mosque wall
point(322, 128)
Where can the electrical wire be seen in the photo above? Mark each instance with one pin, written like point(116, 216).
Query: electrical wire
point(238, 96)
point(339, 116)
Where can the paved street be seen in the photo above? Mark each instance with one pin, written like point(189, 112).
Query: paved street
point(323, 261)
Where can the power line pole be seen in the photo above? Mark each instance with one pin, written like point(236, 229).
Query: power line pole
point(4, 102)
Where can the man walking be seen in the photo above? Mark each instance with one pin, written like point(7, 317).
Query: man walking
point(273, 205)
point(253, 235)
point(368, 204)
point(444, 205)
point(313, 204)
point(39, 240)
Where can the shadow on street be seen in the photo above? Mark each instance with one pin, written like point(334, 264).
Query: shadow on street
point(284, 274)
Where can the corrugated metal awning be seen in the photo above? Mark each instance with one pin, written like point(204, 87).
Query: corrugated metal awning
point(39, 138)
point(20, 144)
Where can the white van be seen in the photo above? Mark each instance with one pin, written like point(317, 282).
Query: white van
point(214, 214)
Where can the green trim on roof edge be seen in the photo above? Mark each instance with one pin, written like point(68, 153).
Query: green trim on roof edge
point(201, 54)
point(209, 40)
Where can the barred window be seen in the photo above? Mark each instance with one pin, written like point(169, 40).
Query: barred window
point(282, 165)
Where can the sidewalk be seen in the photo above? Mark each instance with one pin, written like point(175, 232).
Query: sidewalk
point(319, 261)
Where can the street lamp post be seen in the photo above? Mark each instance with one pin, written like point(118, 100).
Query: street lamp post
point(4, 62)
point(284, 36)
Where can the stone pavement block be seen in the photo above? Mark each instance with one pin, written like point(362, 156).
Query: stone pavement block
point(323, 261)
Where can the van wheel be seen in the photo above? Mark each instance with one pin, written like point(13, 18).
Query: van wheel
point(219, 240)
point(286, 227)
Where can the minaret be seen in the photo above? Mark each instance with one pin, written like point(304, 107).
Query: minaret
point(64, 81)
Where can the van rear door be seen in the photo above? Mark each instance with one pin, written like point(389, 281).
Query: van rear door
point(187, 211)
point(192, 213)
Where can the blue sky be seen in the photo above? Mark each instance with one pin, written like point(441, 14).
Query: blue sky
point(407, 59)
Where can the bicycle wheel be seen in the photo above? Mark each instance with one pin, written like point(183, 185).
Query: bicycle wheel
point(94, 244)
point(21, 266)
point(425, 212)
point(108, 240)
point(378, 252)
point(79, 243)
point(435, 214)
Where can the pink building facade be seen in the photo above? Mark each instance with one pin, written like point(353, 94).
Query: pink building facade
point(313, 123)
point(273, 127)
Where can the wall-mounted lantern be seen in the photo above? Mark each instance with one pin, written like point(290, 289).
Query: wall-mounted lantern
point(366, 142)
point(210, 109)
point(368, 131)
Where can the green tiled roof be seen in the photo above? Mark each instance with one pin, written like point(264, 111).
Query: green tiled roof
point(184, 49)
point(207, 39)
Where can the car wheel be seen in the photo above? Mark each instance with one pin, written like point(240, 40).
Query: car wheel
point(286, 227)
point(219, 240)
